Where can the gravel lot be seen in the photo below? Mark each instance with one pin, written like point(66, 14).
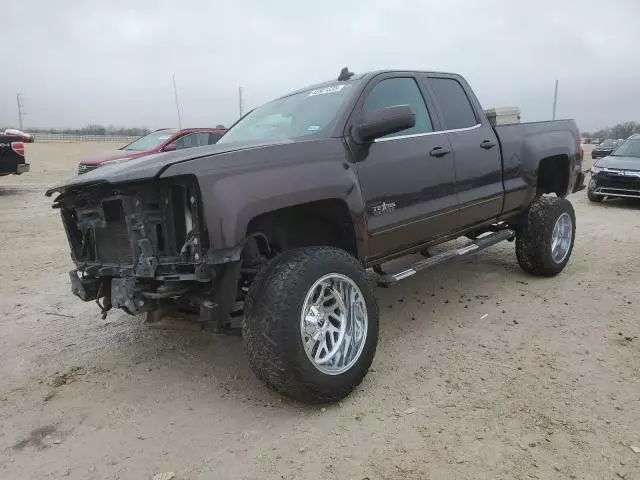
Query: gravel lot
point(482, 372)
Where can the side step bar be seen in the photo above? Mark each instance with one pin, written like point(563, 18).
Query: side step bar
point(478, 244)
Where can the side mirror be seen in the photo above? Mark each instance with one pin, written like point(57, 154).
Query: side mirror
point(384, 121)
point(170, 148)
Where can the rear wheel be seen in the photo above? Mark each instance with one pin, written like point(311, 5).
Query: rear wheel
point(545, 242)
point(311, 325)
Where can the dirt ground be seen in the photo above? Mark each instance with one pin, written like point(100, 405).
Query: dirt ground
point(482, 372)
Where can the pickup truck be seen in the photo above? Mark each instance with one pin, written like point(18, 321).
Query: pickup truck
point(280, 220)
point(12, 160)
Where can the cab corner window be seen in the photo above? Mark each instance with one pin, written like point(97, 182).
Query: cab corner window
point(454, 104)
point(400, 91)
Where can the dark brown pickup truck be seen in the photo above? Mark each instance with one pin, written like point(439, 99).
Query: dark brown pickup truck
point(277, 223)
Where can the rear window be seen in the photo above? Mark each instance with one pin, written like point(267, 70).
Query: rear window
point(454, 104)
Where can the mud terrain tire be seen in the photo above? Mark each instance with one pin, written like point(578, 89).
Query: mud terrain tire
point(537, 248)
point(273, 325)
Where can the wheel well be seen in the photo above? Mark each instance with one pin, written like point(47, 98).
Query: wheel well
point(323, 222)
point(553, 175)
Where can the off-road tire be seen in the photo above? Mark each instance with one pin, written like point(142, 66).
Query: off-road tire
point(533, 238)
point(271, 327)
point(592, 196)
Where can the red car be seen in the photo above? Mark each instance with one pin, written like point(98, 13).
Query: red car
point(164, 140)
point(14, 132)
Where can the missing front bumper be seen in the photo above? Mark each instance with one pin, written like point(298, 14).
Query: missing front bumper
point(209, 304)
point(84, 288)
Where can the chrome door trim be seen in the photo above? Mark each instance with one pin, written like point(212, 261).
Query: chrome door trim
point(401, 137)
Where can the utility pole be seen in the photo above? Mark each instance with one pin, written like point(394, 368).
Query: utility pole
point(175, 94)
point(240, 105)
point(555, 101)
point(20, 110)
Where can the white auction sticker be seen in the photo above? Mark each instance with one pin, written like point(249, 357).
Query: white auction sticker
point(325, 90)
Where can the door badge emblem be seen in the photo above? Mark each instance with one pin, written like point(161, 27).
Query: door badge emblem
point(382, 208)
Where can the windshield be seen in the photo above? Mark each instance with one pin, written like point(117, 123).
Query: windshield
point(630, 148)
point(151, 141)
point(312, 112)
point(607, 144)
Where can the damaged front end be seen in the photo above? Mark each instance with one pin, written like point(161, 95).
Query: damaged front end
point(143, 247)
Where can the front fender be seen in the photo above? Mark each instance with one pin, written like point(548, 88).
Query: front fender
point(264, 180)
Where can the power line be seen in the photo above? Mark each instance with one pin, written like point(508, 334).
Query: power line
point(21, 112)
point(555, 101)
point(175, 94)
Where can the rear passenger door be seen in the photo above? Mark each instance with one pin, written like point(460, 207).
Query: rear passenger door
point(476, 152)
point(406, 178)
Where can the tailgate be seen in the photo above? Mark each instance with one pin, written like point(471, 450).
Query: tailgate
point(12, 158)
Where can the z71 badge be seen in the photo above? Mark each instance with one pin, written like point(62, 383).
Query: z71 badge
point(382, 208)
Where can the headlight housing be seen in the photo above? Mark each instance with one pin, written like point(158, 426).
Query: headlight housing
point(595, 170)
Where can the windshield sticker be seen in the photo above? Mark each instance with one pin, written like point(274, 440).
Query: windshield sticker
point(313, 128)
point(325, 90)
point(164, 137)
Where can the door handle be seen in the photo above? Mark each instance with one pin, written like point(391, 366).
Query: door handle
point(487, 144)
point(439, 152)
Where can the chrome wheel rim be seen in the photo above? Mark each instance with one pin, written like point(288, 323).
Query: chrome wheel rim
point(333, 324)
point(561, 238)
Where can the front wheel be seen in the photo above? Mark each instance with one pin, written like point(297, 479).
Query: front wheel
point(545, 242)
point(311, 327)
point(591, 195)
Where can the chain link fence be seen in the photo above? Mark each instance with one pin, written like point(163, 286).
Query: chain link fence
point(64, 137)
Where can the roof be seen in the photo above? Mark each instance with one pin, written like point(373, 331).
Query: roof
point(176, 131)
point(202, 129)
point(360, 76)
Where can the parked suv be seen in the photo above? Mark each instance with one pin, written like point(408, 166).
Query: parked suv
point(605, 148)
point(164, 140)
point(617, 175)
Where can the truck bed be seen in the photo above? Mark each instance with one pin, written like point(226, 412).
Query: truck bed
point(524, 144)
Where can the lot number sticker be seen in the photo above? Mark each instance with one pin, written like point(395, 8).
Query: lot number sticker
point(325, 90)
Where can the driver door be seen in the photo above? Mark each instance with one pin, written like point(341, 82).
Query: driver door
point(407, 178)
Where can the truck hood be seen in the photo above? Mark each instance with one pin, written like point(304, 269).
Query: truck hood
point(107, 156)
point(152, 166)
point(619, 163)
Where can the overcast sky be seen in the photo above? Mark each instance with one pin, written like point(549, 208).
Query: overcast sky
point(110, 62)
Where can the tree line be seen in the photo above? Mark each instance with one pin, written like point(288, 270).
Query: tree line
point(621, 130)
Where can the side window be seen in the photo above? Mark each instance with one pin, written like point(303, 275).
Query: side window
point(203, 138)
point(454, 104)
point(400, 91)
point(214, 137)
point(188, 141)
